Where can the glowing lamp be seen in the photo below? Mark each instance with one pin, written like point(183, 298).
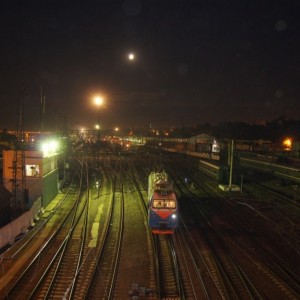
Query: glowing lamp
point(49, 148)
point(287, 143)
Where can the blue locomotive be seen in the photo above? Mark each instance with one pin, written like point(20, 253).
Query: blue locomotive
point(163, 206)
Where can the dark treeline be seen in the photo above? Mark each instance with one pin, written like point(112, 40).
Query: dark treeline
point(273, 131)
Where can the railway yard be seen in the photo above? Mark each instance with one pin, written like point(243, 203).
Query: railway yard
point(93, 241)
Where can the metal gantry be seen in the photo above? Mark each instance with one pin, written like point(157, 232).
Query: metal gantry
point(19, 191)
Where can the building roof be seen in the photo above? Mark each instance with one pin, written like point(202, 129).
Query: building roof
point(202, 138)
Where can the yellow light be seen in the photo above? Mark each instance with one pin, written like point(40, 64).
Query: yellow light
point(97, 126)
point(287, 143)
point(99, 100)
point(49, 148)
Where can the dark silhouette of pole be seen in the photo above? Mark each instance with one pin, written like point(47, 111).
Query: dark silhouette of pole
point(42, 110)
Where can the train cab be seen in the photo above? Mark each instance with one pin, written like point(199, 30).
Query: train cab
point(163, 210)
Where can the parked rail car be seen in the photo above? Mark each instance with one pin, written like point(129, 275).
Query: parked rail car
point(284, 172)
point(163, 206)
point(253, 146)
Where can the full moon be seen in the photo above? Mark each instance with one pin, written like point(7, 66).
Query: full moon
point(131, 56)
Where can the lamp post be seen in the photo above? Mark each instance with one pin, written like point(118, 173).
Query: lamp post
point(98, 102)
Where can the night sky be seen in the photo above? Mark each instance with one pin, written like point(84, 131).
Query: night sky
point(196, 62)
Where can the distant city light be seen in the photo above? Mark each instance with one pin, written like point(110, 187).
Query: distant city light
point(287, 143)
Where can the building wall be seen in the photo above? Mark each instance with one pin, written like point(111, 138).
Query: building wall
point(5, 212)
point(41, 175)
point(33, 165)
point(10, 231)
point(50, 187)
point(35, 188)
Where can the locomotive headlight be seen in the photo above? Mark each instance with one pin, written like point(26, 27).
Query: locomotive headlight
point(174, 216)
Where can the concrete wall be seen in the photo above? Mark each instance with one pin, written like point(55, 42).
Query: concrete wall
point(10, 232)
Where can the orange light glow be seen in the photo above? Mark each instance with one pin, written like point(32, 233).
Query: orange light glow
point(287, 143)
point(98, 100)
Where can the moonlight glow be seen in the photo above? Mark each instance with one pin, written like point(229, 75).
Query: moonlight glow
point(131, 56)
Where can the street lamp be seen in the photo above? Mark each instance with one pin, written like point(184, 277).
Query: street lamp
point(98, 100)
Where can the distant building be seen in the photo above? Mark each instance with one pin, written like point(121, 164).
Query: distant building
point(203, 143)
point(23, 199)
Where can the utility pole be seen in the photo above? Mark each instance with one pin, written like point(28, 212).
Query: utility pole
point(19, 190)
point(42, 110)
point(231, 165)
point(230, 187)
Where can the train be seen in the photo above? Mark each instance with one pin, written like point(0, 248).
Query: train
point(163, 204)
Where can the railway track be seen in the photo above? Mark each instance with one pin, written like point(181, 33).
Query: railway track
point(170, 285)
point(220, 250)
point(104, 278)
point(285, 280)
point(32, 276)
point(222, 276)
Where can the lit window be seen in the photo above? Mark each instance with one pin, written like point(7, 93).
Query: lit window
point(32, 170)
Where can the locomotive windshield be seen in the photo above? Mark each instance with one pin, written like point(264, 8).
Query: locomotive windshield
point(164, 203)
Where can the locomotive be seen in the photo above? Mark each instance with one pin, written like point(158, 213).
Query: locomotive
point(163, 206)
